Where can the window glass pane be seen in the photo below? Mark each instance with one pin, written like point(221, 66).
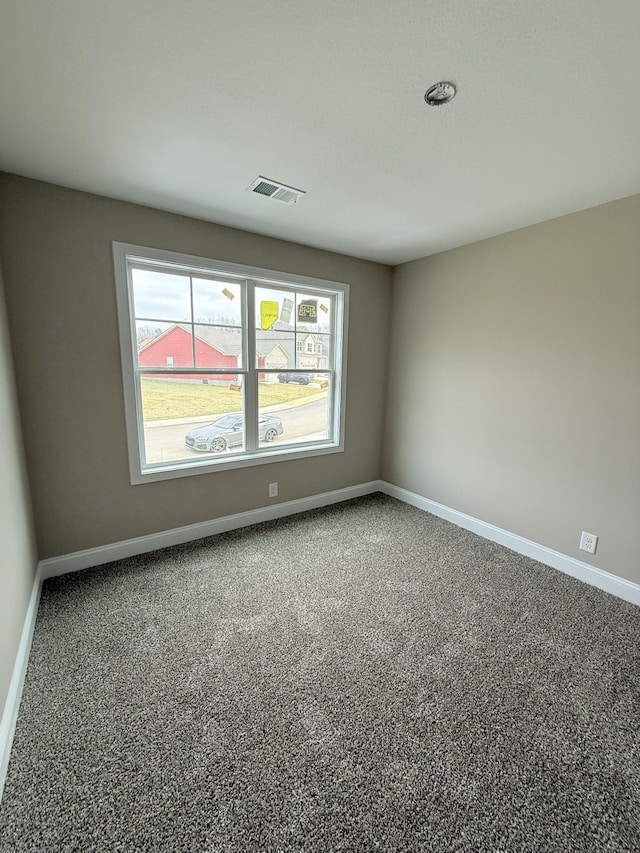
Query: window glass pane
point(160, 342)
point(275, 350)
point(218, 346)
point(312, 351)
point(217, 302)
point(275, 345)
point(295, 412)
point(189, 419)
point(161, 296)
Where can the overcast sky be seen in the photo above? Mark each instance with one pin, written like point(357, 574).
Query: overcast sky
point(165, 296)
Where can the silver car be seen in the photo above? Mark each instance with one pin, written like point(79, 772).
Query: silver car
point(228, 431)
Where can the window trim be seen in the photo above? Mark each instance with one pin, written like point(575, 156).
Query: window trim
point(163, 260)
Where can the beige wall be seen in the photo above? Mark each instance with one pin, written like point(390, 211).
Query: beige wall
point(18, 560)
point(56, 250)
point(513, 390)
point(514, 387)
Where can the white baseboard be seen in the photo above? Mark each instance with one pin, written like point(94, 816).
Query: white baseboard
point(142, 544)
point(620, 587)
point(12, 703)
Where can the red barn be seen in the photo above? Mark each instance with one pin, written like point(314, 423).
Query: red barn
point(214, 347)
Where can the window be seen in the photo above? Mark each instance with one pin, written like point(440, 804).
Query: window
point(213, 362)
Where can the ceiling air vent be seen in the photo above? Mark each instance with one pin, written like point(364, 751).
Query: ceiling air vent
point(276, 191)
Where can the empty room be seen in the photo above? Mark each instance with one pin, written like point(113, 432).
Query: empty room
point(319, 426)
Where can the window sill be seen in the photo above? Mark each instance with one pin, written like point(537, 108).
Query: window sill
point(178, 469)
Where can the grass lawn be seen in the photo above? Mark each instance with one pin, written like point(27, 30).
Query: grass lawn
point(162, 400)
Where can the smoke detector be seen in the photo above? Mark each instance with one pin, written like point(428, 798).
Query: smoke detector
point(440, 93)
point(275, 190)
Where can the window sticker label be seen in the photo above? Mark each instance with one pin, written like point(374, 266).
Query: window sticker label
point(268, 314)
point(287, 308)
point(228, 293)
point(308, 311)
point(324, 308)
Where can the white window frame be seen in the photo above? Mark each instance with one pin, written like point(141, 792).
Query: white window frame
point(125, 257)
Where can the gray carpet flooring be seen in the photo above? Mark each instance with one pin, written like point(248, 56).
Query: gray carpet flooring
point(365, 677)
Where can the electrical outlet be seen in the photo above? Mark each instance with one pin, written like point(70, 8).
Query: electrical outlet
point(588, 542)
point(273, 490)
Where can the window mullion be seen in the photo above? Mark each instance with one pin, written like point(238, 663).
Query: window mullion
point(251, 376)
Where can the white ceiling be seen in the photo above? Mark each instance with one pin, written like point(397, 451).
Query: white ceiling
point(180, 105)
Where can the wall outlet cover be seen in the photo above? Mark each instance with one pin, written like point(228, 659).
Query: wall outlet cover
point(588, 542)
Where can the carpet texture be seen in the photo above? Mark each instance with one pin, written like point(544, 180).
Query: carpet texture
point(365, 677)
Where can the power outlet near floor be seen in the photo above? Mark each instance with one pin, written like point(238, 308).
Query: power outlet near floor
point(588, 542)
point(273, 490)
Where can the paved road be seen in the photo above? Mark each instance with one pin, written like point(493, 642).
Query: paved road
point(300, 423)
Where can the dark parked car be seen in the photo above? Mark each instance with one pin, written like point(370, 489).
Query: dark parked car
point(228, 431)
point(300, 378)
